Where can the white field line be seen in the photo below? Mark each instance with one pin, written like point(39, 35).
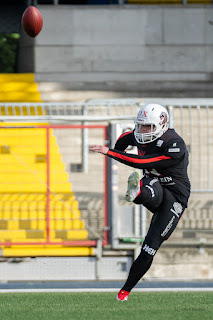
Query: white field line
point(107, 290)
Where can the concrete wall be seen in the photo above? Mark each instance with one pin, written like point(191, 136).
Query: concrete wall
point(121, 47)
point(173, 264)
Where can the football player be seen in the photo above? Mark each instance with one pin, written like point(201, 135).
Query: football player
point(164, 189)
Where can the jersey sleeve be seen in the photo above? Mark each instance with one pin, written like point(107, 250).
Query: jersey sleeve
point(140, 162)
point(170, 154)
point(125, 140)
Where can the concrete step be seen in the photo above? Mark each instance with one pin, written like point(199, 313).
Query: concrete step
point(81, 95)
point(68, 91)
point(20, 96)
point(17, 77)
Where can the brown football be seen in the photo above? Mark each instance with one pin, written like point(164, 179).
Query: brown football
point(32, 21)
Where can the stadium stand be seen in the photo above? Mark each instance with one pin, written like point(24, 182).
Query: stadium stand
point(23, 185)
point(18, 88)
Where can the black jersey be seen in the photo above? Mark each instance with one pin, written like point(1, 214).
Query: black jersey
point(165, 158)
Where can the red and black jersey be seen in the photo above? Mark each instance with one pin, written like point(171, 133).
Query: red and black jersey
point(165, 158)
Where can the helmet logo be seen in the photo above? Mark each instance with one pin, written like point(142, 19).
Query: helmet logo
point(163, 118)
point(142, 114)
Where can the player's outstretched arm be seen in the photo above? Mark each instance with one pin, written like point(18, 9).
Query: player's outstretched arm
point(99, 149)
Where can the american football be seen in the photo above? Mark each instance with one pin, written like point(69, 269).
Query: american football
point(32, 21)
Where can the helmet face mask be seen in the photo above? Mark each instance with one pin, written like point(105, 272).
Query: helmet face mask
point(144, 136)
point(151, 123)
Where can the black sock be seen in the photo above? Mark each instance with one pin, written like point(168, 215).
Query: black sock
point(139, 267)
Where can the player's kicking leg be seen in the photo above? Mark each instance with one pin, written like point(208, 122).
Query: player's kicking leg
point(162, 225)
point(133, 190)
point(149, 193)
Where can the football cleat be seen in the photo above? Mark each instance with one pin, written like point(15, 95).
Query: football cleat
point(133, 188)
point(122, 295)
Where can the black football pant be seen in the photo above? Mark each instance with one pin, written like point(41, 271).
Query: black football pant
point(166, 213)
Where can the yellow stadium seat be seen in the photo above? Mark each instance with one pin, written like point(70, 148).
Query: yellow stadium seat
point(12, 235)
point(77, 234)
point(41, 214)
point(67, 224)
point(77, 224)
point(24, 215)
point(33, 224)
point(33, 215)
point(6, 214)
point(32, 205)
point(58, 205)
point(13, 224)
point(74, 204)
point(67, 213)
point(75, 214)
point(41, 224)
point(52, 225)
point(59, 224)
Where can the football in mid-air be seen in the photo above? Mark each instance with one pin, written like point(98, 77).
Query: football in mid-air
point(32, 21)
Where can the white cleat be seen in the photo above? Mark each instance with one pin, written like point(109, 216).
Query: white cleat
point(133, 188)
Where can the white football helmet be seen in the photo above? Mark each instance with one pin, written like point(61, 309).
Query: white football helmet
point(157, 117)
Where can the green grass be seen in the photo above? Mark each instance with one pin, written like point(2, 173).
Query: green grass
point(103, 306)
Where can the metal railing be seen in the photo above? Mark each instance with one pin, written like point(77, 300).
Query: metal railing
point(191, 118)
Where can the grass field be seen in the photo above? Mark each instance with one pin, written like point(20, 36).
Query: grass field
point(90, 306)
